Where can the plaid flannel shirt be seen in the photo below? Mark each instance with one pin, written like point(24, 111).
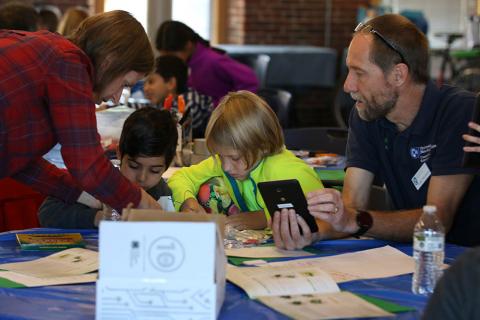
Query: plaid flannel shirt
point(46, 97)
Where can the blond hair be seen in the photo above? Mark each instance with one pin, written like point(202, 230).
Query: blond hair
point(244, 121)
point(116, 43)
point(71, 20)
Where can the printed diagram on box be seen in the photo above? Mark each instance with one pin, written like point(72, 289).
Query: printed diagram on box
point(166, 254)
point(118, 303)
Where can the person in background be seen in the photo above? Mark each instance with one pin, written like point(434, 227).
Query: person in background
point(405, 132)
point(211, 71)
point(18, 16)
point(170, 79)
point(49, 96)
point(246, 140)
point(48, 17)
point(146, 149)
point(457, 292)
point(71, 20)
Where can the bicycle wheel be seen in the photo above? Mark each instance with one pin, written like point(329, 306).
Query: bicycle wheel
point(468, 79)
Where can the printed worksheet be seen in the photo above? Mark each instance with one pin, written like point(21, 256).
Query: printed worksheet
point(368, 264)
point(70, 262)
point(265, 252)
point(277, 281)
point(324, 306)
point(30, 281)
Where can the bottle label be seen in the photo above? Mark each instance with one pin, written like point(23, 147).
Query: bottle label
point(428, 244)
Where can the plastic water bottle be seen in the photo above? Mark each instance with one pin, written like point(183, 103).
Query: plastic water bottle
point(428, 251)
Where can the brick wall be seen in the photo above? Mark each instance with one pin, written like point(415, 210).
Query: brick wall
point(297, 22)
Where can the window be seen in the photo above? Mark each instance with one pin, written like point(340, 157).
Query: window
point(196, 14)
point(137, 8)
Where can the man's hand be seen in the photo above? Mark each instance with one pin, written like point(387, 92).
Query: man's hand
point(473, 139)
point(286, 226)
point(327, 205)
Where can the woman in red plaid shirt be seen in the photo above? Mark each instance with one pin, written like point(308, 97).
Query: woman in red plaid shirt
point(48, 89)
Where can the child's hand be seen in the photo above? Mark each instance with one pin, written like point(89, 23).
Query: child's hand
point(248, 220)
point(147, 202)
point(98, 218)
point(192, 205)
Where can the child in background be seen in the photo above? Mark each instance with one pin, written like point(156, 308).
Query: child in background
point(246, 140)
point(212, 72)
point(146, 149)
point(71, 20)
point(167, 86)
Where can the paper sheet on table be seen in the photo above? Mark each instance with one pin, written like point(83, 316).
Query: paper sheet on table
point(276, 281)
point(324, 306)
point(70, 262)
point(367, 264)
point(265, 252)
point(30, 281)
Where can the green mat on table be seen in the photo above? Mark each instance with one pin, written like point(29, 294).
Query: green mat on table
point(238, 261)
point(385, 305)
point(5, 283)
point(324, 174)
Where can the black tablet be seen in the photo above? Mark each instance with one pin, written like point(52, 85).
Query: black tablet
point(287, 194)
point(472, 159)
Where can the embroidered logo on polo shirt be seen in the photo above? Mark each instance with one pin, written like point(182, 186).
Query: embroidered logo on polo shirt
point(415, 152)
point(423, 152)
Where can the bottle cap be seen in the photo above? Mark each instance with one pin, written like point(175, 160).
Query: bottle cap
point(429, 208)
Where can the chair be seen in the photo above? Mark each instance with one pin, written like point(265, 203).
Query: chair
point(280, 101)
point(18, 205)
point(258, 62)
point(343, 103)
point(379, 199)
point(327, 139)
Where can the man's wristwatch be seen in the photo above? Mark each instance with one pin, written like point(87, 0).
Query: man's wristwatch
point(364, 222)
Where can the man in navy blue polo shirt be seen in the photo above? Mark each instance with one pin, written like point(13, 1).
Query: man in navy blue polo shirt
point(404, 132)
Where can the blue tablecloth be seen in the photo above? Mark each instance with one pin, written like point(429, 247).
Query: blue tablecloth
point(78, 301)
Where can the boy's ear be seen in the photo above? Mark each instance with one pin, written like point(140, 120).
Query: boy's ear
point(172, 85)
point(119, 157)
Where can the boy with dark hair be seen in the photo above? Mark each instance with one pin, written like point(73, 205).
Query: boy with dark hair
point(146, 149)
point(167, 87)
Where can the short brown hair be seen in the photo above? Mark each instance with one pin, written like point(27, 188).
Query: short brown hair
point(244, 121)
point(116, 43)
point(409, 40)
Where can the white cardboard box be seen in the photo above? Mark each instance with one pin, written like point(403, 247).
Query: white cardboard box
point(161, 269)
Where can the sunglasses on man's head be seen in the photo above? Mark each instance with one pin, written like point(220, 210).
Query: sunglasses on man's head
point(361, 26)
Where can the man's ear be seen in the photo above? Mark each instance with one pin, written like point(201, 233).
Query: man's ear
point(119, 156)
point(400, 74)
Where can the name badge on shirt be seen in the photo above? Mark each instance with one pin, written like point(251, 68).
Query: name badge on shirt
point(421, 176)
